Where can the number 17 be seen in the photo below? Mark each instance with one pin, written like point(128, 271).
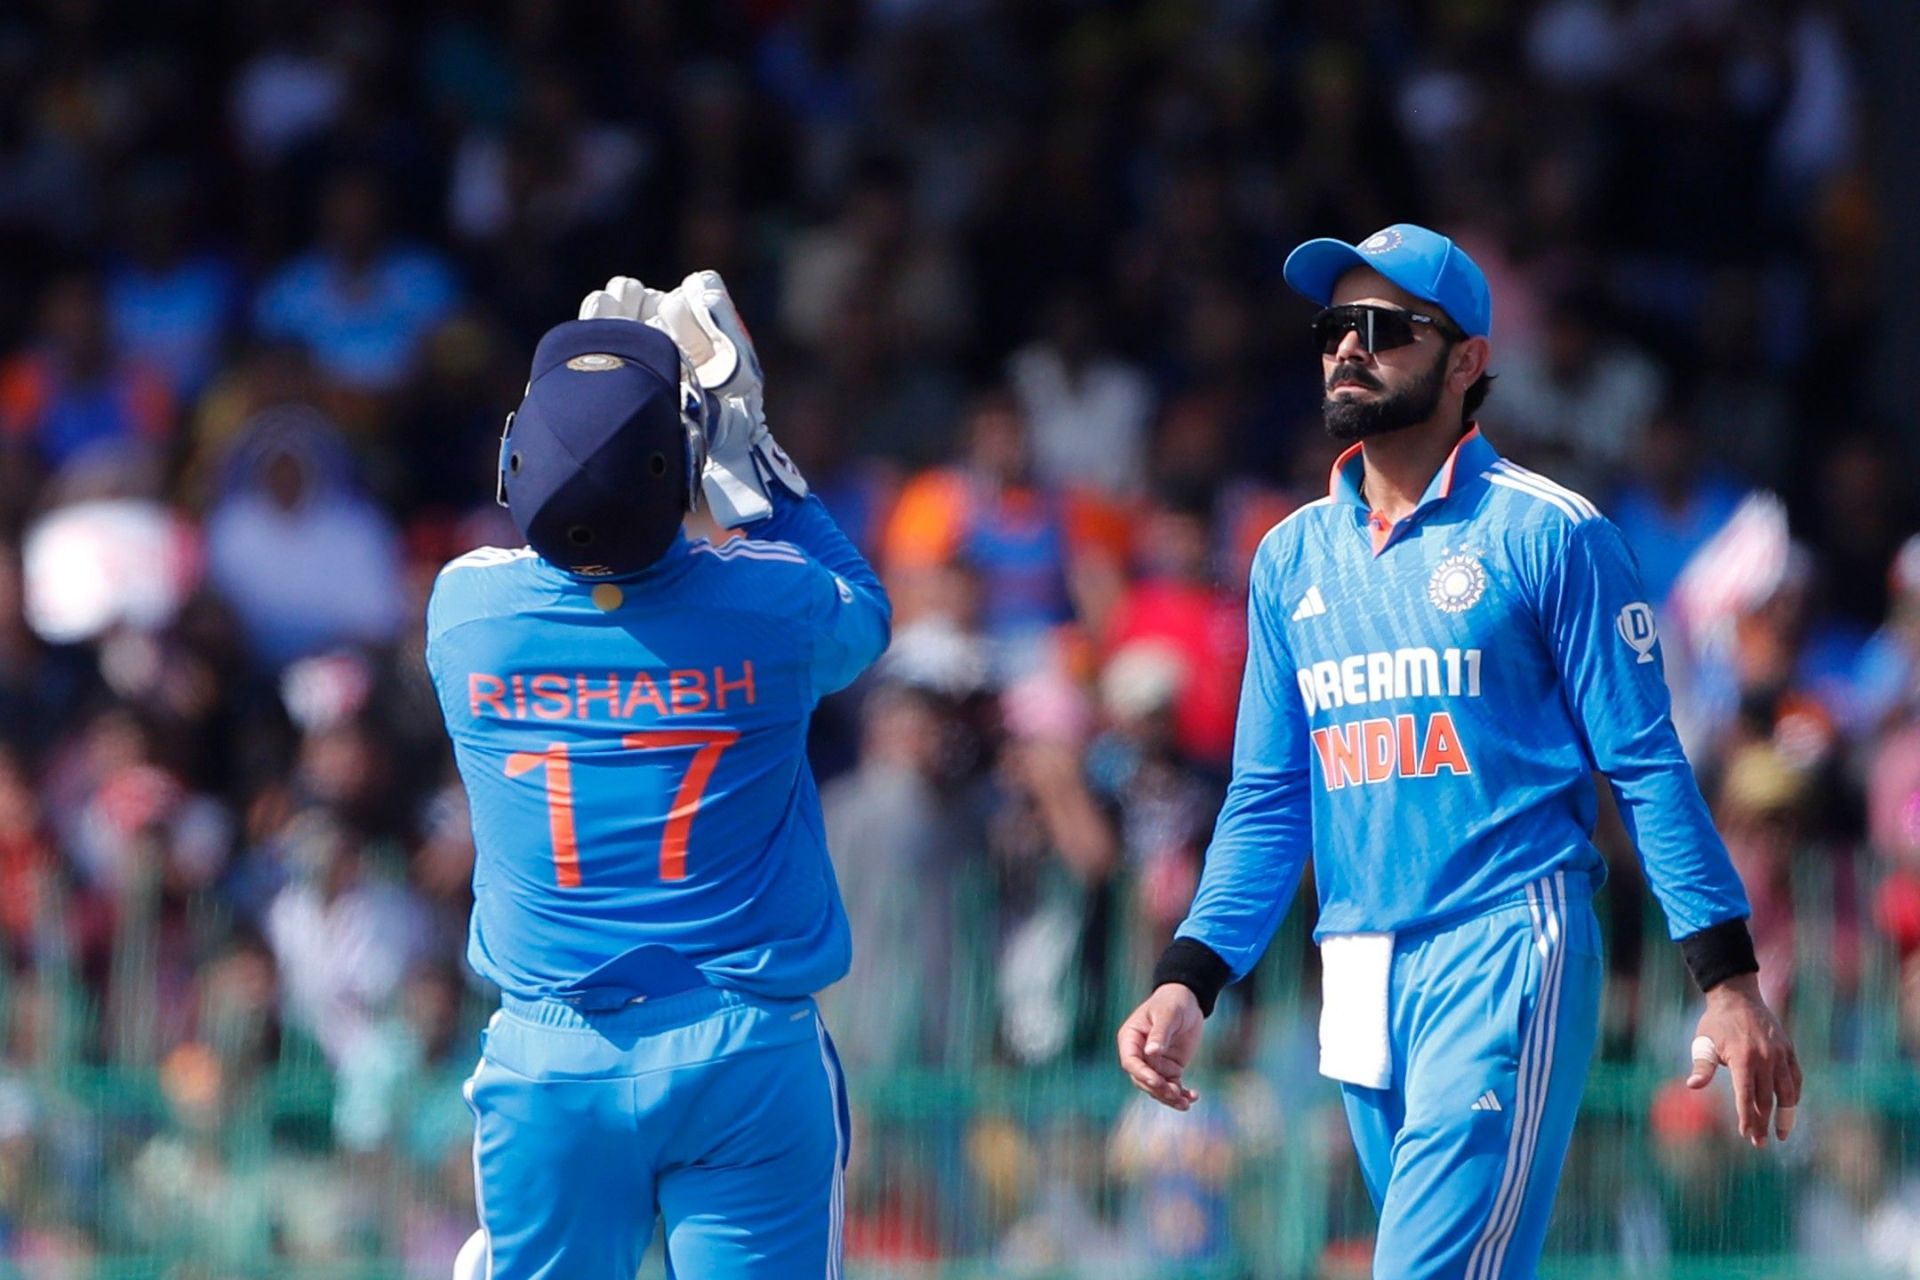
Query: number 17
point(686, 800)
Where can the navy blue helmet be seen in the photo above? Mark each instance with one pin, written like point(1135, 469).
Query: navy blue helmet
point(603, 457)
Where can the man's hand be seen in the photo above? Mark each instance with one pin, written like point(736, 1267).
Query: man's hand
point(743, 460)
point(1158, 1042)
point(700, 316)
point(624, 298)
point(1739, 1032)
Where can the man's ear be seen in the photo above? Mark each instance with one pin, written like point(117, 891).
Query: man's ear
point(1470, 359)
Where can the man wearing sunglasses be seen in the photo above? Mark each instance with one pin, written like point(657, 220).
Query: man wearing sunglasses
point(1443, 650)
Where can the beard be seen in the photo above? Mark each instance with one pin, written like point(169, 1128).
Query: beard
point(1354, 420)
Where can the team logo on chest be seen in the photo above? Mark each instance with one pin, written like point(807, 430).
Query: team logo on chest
point(1457, 583)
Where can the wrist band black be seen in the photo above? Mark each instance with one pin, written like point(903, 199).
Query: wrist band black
point(1195, 966)
point(1718, 952)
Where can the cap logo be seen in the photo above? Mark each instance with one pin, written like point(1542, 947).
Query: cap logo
point(1382, 241)
point(596, 363)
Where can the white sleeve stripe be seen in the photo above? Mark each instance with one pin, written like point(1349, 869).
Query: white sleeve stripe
point(752, 553)
point(1578, 499)
point(1519, 472)
point(1507, 482)
point(754, 544)
point(765, 551)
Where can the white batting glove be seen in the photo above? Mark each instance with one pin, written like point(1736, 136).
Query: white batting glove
point(624, 298)
point(743, 459)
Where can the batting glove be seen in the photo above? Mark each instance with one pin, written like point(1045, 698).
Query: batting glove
point(743, 460)
point(624, 298)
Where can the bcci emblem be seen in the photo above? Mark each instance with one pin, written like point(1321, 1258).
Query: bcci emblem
point(1383, 241)
point(1636, 628)
point(1457, 583)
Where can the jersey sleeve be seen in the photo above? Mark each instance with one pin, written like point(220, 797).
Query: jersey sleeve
point(1265, 831)
point(849, 618)
point(1602, 633)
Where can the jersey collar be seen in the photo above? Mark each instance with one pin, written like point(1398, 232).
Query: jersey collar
point(671, 560)
point(1469, 458)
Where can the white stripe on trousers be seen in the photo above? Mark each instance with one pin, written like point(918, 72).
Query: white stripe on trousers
point(479, 1193)
point(836, 1201)
point(1546, 900)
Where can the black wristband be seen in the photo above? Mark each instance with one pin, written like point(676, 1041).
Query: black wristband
point(1718, 952)
point(1195, 966)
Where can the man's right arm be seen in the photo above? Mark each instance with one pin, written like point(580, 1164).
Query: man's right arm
point(1264, 835)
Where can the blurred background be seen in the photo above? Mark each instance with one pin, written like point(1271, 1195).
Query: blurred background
point(270, 276)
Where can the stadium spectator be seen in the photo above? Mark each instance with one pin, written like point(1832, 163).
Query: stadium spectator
point(344, 936)
point(1176, 601)
point(302, 559)
point(74, 392)
point(1677, 497)
point(172, 301)
point(902, 840)
point(1578, 407)
point(1088, 410)
point(991, 515)
point(359, 301)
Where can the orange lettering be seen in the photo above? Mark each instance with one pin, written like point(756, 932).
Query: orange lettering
point(1345, 741)
point(485, 690)
point(687, 691)
point(519, 697)
point(586, 693)
point(722, 687)
point(1443, 749)
point(1409, 754)
point(693, 786)
point(1322, 743)
point(643, 689)
point(1378, 750)
point(559, 774)
point(550, 697)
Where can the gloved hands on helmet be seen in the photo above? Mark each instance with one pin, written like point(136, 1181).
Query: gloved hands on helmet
point(743, 460)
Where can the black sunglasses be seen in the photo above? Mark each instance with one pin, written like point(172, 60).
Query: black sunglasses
point(1380, 328)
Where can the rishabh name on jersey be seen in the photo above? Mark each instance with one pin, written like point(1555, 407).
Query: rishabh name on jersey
point(1424, 707)
point(634, 755)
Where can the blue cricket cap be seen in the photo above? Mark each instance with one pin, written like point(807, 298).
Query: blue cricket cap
point(1424, 263)
point(596, 464)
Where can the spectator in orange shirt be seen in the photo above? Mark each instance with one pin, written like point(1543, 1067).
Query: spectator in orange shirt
point(1041, 556)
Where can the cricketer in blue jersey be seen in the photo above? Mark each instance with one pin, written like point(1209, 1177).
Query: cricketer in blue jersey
point(652, 892)
point(1443, 651)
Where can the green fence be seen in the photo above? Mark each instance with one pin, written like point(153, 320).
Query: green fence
point(192, 1168)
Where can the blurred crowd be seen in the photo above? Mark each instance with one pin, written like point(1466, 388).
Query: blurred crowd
point(270, 274)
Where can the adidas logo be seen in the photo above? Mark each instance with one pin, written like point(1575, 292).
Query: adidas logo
point(1486, 1102)
point(1311, 605)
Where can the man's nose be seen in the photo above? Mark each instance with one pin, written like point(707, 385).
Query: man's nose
point(1351, 347)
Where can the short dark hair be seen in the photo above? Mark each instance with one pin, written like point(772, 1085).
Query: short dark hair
point(1475, 397)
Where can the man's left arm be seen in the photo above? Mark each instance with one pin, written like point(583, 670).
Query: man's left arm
point(1602, 633)
point(849, 615)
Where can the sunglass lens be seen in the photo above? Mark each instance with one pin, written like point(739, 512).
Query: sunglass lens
point(1380, 328)
point(1334, 324)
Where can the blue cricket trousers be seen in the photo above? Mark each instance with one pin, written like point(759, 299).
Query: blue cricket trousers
point(1493, 1022)
point(723, 1113)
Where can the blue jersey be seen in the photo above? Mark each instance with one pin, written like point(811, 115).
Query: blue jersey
point(634, 753)
point(1424, 707)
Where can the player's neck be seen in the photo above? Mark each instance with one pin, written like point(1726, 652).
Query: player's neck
point(1401, 464)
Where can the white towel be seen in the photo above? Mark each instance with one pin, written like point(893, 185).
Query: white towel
point(1355, 1046)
